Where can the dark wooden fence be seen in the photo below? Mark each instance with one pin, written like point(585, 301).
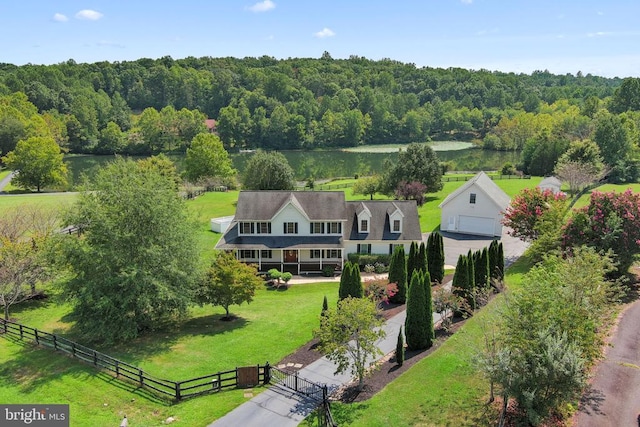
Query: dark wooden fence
point(493, 177)
point(176, 390)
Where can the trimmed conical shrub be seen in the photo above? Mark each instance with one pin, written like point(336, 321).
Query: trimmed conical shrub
point(435, 256)
point(430, 330)
point(400, 348)
point(412, 261)
point(493, 261)
point(350, 282)
point(398, 275)
point(423, 264)
point(416, 321)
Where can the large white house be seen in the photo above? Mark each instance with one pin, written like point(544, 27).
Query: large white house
point(475, 208)
point(305, 231)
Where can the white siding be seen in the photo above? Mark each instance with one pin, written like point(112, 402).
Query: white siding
point(484, 207)
point(289, 214)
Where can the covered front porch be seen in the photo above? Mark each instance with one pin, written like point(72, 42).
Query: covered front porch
point(294, 261)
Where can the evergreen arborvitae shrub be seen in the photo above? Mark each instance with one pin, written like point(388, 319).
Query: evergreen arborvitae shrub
point(430, 332)
point(459, 277)
point(481, 268)
point(345, 279)
point(412, 261)
point(416, 321)
point(500, 262)
point(435, 256)
point(471, 283)
point(356, 290)
point(493, 261)
point(325, 307)
point(423, 263)
point(400, 348)
point(398, 275)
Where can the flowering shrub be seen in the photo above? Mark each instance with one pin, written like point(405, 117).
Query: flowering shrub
point(379, 291)
point(610, 221)
point(526, 209)
point(369, 268)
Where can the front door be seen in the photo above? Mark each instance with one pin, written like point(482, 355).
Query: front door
point(290, 255)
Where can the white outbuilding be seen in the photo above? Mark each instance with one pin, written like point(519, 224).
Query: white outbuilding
point(475, 208)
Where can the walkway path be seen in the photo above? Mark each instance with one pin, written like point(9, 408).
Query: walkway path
point(613, 398)
point(5, 181)
point(278, 407)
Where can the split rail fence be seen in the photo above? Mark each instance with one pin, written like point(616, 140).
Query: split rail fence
point(248, 376)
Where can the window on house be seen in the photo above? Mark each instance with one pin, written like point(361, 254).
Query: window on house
point(396, 225)
point(333, 253)
point(364, 226)
point(315, 254)
point(472, 198)
point(364, 249)
point(264, 228)
point(247, 254)
point(266, 253)
point(290, 228)
point(335, 227)
point(246, 228)
point(317, 228)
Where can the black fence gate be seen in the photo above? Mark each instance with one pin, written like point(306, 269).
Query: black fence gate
point(315, 391)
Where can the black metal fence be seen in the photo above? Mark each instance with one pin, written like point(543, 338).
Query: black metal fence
point(176, 390)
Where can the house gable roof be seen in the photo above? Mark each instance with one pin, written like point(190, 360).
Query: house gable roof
point(315, 205)
point(484, 184)
point(380, 211)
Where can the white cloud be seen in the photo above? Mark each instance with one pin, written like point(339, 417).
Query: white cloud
point(110, 44)
point(89, 15)
point(262, 6)
point(600, 34)
point(326, 32)
point(467, 1)
point(58, 17)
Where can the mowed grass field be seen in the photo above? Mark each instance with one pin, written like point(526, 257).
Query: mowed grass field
point(443, 389)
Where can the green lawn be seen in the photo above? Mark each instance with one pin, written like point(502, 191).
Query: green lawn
point(607, 188)
point(443, 389)
point(265, 330)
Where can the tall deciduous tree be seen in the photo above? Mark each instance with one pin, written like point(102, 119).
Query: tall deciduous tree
point(228, 282)
point(136, 266)
point(268, 171)
point(348, 335)
point(417, 163)
point(38, 163)
point(207, 158)
point(367, 186)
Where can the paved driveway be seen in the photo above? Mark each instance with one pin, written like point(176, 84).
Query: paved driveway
point(459, 244)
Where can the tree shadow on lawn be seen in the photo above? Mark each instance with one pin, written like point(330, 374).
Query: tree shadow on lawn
point(35, 367)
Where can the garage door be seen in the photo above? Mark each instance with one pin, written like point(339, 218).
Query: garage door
point(476, 225)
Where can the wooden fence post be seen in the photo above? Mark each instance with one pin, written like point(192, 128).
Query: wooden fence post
point(36, 334)
point(95, 358)
point(141, 377)
point(55, 342)
point(178, 395)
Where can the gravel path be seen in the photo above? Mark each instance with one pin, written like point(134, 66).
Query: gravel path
point(613, 398)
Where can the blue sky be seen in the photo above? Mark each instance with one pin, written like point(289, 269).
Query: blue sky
point(563, 36)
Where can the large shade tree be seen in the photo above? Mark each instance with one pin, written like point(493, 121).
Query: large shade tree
point(268, 171)
point(207, 158)
point(38, 163)
point(418, 163)
point(136, 266)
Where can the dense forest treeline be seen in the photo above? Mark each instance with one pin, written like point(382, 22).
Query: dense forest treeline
point(154, 105)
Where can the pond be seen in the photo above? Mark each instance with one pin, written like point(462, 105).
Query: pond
point(328, 164)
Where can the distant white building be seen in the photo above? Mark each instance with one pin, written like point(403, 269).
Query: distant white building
point(550, 183)
point(220, 225)
point(475, 208)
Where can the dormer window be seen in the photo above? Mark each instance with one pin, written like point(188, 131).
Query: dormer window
point(472, 198)
point(364, 225)
point(396, 226)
